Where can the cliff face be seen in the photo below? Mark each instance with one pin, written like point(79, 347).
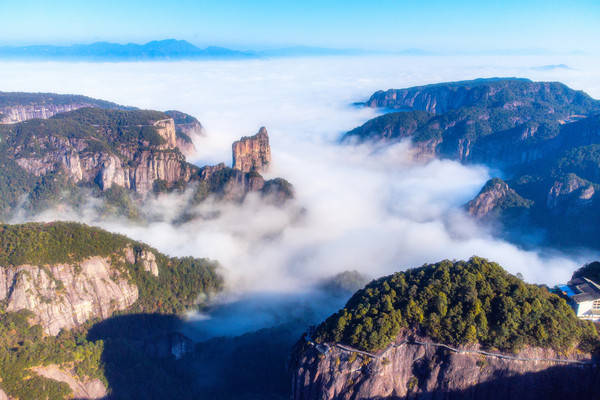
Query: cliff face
point(67, 295)
point(508, 93)
point(20, 113)
point(20, 107)
point(252, 153)
point(63, 295)
point(138, 150)
point(495, 197)
point(80, 388)
point(570, 192)
point(188, 130)
point(112, 155)
point(500, 122)
point(417, 371)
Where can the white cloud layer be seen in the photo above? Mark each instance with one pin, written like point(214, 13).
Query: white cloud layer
point(368, 209)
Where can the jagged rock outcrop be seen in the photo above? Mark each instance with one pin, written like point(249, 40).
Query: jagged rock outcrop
point(252, 153)
point(417, 371)
point(495, 197)
point(144, 257)
point(67, 295)
point(81, 388)
point(137, 150)
point(230, 183)
point(188, 129)
point(571, 191)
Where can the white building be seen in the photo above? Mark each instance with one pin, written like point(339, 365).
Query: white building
point(584, 297)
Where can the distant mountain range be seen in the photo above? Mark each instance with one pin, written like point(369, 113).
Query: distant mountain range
point(173, 49)
point(155, 50)
point(169, 49)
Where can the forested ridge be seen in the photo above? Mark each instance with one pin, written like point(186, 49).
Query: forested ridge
point(458, 302)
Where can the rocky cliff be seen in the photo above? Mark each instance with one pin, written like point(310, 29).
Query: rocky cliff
point(18, 107)
point(131, 149)
point(495, 197)
point(543, 136)
point(50, 161)
point(508, 93)
point(252, 153)
point(15, 114)
point(421, 371)
point(188, 129)
point(63, 294)
point(89, 389)
point(81, 307)
point(450, 330)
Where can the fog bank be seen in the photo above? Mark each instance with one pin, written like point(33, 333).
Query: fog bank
point(371, 209)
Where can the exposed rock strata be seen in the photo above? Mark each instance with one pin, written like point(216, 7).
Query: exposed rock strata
point(252, 153)
point(572, 189)
point(66, 295)
point(443, 97)
point(496, 196)
point(189, 130)
point(15, 114)
point(26, 106)
point(82, 389)
point(543, 137)
point(413, 371)
point(134, 166)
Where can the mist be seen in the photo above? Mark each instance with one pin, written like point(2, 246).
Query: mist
point(366, 208)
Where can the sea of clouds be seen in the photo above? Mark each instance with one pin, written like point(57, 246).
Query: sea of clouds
point(362, 208)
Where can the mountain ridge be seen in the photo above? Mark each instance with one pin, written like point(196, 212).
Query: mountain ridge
point(541, 136)
point(55, 146)
point(451, 330)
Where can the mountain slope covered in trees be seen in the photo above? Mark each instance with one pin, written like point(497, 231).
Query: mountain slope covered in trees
point(542, 136)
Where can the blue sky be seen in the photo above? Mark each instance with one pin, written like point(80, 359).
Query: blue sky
point(376, 24)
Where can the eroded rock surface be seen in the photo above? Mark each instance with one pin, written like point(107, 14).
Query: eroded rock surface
point(66, 295)
point(413, 371)
point(82, 389)
point(252, 153)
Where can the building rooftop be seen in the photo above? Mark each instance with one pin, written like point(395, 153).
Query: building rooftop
point(582, 289)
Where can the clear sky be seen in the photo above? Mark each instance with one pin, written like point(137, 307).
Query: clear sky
point(251, 24)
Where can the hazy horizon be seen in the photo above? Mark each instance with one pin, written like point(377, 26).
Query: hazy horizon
point(383, 25)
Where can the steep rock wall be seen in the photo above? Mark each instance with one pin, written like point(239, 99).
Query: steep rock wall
point(252, 153)
point(66, 295)
point(20, 113)
point(82, 389)
point(136, 169)
point(415, 371)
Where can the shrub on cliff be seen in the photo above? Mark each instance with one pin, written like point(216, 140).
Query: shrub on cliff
point(458, 303)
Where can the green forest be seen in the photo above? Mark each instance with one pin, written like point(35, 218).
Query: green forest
point(456, 303)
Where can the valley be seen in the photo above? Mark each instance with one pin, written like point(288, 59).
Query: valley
point(142, 311)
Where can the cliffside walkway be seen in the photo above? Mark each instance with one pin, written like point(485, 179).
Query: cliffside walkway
point(461, 351)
